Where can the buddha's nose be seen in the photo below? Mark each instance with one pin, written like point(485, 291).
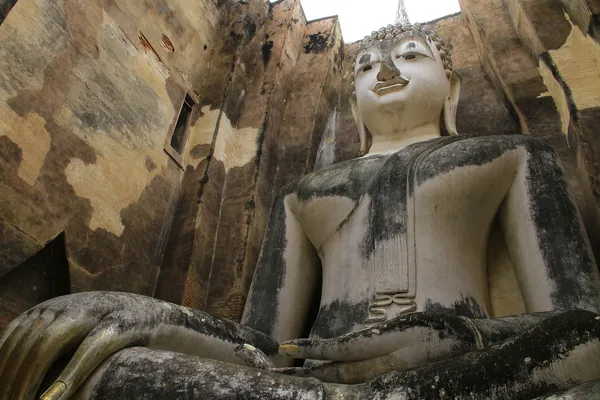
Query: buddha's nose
point(387, 72)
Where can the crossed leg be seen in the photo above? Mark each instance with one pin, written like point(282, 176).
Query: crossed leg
point(559, 353)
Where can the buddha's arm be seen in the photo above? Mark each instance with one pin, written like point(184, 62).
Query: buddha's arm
point(99, 324)
point(286, 276)
point(545, 236)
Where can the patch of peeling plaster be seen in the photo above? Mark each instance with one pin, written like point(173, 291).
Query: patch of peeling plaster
point(557, 93)
point(28, 132)
point(202, 132)
point(234, 147)
point(578, 62)
point(32, 137)
point(120, 173)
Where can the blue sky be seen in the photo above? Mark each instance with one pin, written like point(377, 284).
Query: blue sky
point(360, 17)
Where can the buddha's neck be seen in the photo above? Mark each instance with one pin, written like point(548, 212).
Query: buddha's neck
point(387, 144)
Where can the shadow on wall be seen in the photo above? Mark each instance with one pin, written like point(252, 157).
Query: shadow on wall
point(42, 277)
point(5, 7)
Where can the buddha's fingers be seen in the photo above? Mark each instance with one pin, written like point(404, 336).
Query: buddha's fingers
point(57, 339)
point(113, 333)
point(145, 322)
point(12, 337)
point(25, 337)
point(253, 357)
point(357, 346)
point(430, 336)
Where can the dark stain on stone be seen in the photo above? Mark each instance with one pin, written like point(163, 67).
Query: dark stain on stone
point(467, 307)
point(338, 318)
point(199, 151)
point(11, 154)
point(594, 27)
point(188, 377)
point(547, 59)
point(266, 51)
point(250, 28)
point(317, 43)
point(150, 164)
point(552, 35)
point(325, 182)
point(205, 47)
point(548, 343)
point(5, 7)
point(562, 239)
point(494, 330)
point(89, 119)
point(167, 44)
point(469, 150)
point(270, 270)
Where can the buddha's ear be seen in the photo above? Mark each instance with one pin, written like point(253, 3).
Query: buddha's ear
point(451, 104)
point(362, 130)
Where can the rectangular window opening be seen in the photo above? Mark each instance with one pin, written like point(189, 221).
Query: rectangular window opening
point(181, 128)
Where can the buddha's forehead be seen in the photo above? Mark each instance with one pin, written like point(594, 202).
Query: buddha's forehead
point(385, 47)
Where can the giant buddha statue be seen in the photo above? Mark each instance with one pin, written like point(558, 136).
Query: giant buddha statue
point(393, 243)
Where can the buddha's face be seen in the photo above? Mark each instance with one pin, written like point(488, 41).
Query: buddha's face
point(400, 84)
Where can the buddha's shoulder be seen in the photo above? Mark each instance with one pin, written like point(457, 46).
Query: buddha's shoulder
point(347, 179)
point(351, 178)
point(474, 150)
point(486, 146)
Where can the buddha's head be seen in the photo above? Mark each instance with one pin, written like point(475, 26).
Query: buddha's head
point(403, 79)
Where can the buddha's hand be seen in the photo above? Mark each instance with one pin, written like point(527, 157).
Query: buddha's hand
point(99, 324)
point(403, 342)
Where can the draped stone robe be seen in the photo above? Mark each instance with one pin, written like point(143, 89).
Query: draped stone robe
point(382, 236)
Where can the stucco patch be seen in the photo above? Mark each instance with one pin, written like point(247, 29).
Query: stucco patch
point(557, 93)
point(234, 147)
point(578, 62)
point(124, 118)
point(202, 132)
point(23, 61)
point(22, 65)
point(31, 136)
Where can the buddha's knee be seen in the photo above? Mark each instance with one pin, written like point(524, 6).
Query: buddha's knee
point(144, 373)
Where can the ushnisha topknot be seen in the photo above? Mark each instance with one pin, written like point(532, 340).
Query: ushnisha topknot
point(392, 32)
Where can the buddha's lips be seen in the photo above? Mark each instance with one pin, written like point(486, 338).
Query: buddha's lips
point(398, 82)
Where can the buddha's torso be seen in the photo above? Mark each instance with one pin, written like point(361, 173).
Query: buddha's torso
point(407, 231)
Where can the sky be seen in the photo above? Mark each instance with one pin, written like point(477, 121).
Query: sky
point(359, 18)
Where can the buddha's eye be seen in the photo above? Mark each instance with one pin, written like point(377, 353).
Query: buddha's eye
point(367, 68)
point(407, 56)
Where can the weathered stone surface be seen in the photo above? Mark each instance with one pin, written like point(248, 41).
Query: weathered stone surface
point(87, 98)
point(543, 65)
point(272, 94)
point(82, 153)
point(293, 74)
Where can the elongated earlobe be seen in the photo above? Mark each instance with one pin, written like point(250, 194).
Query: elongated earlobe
point(362, 130)
point(451, 104)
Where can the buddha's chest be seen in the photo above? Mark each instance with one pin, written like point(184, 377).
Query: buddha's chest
point(373, 201)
